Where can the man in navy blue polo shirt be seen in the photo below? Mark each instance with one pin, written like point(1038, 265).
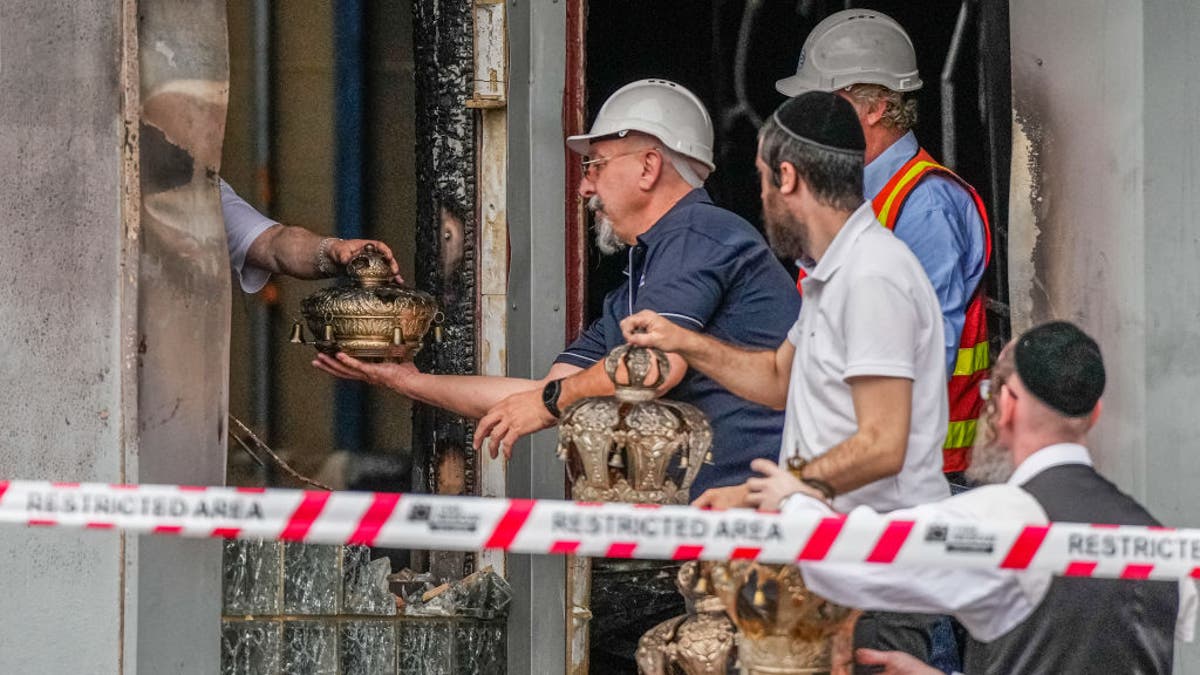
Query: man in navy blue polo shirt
point(701, 266)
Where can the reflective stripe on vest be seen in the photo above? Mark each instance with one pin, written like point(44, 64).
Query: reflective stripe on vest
point(973, 360)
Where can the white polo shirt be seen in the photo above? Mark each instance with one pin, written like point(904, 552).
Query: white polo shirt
point(869, 309)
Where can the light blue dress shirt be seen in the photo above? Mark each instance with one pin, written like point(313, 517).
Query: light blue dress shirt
point(941, 225)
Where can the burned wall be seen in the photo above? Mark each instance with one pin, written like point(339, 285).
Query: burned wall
point(446, 244)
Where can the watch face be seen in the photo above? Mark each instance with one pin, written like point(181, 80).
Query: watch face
point(550, 396)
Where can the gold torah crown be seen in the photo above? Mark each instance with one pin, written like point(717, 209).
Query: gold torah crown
point(700, 642)
point(373, 318)
point(782, 626)
point(631, 446)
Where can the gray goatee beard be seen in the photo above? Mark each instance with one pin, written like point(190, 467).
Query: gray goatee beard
point(607, 240)
point(990, 462)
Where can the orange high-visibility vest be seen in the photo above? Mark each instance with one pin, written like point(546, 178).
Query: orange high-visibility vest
point(971, 366)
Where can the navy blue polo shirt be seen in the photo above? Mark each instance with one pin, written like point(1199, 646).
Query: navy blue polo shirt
point(708, 270)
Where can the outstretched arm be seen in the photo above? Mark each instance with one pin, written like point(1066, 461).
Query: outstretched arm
point(760, 376)
point(467, 395)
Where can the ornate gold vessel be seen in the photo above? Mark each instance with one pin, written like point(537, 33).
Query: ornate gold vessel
point(700, 642)
point(632, 447)
point(783, 628)
point(374, 318)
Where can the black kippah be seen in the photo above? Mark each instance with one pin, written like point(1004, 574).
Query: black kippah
point(824, 120)
point(1061, 365)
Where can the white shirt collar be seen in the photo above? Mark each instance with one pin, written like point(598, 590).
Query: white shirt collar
point(1049, 456)
point(859, 221)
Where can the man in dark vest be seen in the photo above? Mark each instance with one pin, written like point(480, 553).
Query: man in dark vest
point(1043, 398)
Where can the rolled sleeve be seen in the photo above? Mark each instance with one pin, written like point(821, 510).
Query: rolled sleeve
point(243, 224)
point(686, 282)
point(871, 351)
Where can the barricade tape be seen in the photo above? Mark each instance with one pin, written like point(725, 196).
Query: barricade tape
point(600, 529)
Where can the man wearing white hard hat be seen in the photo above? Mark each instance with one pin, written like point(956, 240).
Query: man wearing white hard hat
point(703, 267)
point(866, 57)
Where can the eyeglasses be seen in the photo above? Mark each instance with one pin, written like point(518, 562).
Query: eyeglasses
point(591, 167)
point(985, 390)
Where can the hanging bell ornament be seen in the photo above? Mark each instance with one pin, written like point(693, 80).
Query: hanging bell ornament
point(615, 461)
point(297, 333)
point(760, 598)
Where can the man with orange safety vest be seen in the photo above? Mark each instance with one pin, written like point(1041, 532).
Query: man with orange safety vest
point(867, 58)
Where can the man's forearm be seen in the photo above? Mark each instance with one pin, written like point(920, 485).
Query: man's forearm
point(467, 395)
point(855, 462)
point(594, 381)
point(286, 249)
point(754, 375)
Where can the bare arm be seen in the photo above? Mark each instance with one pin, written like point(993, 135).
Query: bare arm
point(474, 395)
point(882, 406)
point(524, 413)
point(467, 395)
point(595, 382)
point(760, 376)
point(294, 251)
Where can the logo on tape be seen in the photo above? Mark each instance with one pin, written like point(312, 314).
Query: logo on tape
point(447, 518)
point(960, 538)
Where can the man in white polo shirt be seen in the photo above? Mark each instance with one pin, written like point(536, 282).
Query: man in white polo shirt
point(862, 374)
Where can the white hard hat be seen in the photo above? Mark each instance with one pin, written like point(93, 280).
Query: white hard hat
point(854, 46)
point(665, 110)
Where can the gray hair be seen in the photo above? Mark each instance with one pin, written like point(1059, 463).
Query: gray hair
point(900, 111)
point(834, 177)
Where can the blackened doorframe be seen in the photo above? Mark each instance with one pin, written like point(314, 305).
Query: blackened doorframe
point(730, 52)
point(443, 459)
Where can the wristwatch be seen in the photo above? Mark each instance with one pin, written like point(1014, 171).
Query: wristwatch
point(550, 394)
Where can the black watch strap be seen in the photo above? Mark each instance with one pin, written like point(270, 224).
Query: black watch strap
point(550, 394)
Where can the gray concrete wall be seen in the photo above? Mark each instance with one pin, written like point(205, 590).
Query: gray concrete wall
point(62, 373)
point(1103, 203)
point(116, 352)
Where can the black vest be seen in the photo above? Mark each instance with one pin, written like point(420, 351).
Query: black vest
point(1087, 625)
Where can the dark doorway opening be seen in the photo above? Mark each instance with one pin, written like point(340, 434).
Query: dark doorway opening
point(731, 52)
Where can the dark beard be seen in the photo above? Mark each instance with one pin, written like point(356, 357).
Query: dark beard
point(787, 236)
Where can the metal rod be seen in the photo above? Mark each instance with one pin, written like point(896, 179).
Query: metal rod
point(260, 311)
point(948, 127)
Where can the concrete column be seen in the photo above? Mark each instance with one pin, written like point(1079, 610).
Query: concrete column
point(117, 306)
point(1101, 228)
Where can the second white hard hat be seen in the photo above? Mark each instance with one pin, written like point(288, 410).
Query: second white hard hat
point(663, 109)
point(854, 46)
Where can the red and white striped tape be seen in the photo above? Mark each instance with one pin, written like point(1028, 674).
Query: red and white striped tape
point(595, 529)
